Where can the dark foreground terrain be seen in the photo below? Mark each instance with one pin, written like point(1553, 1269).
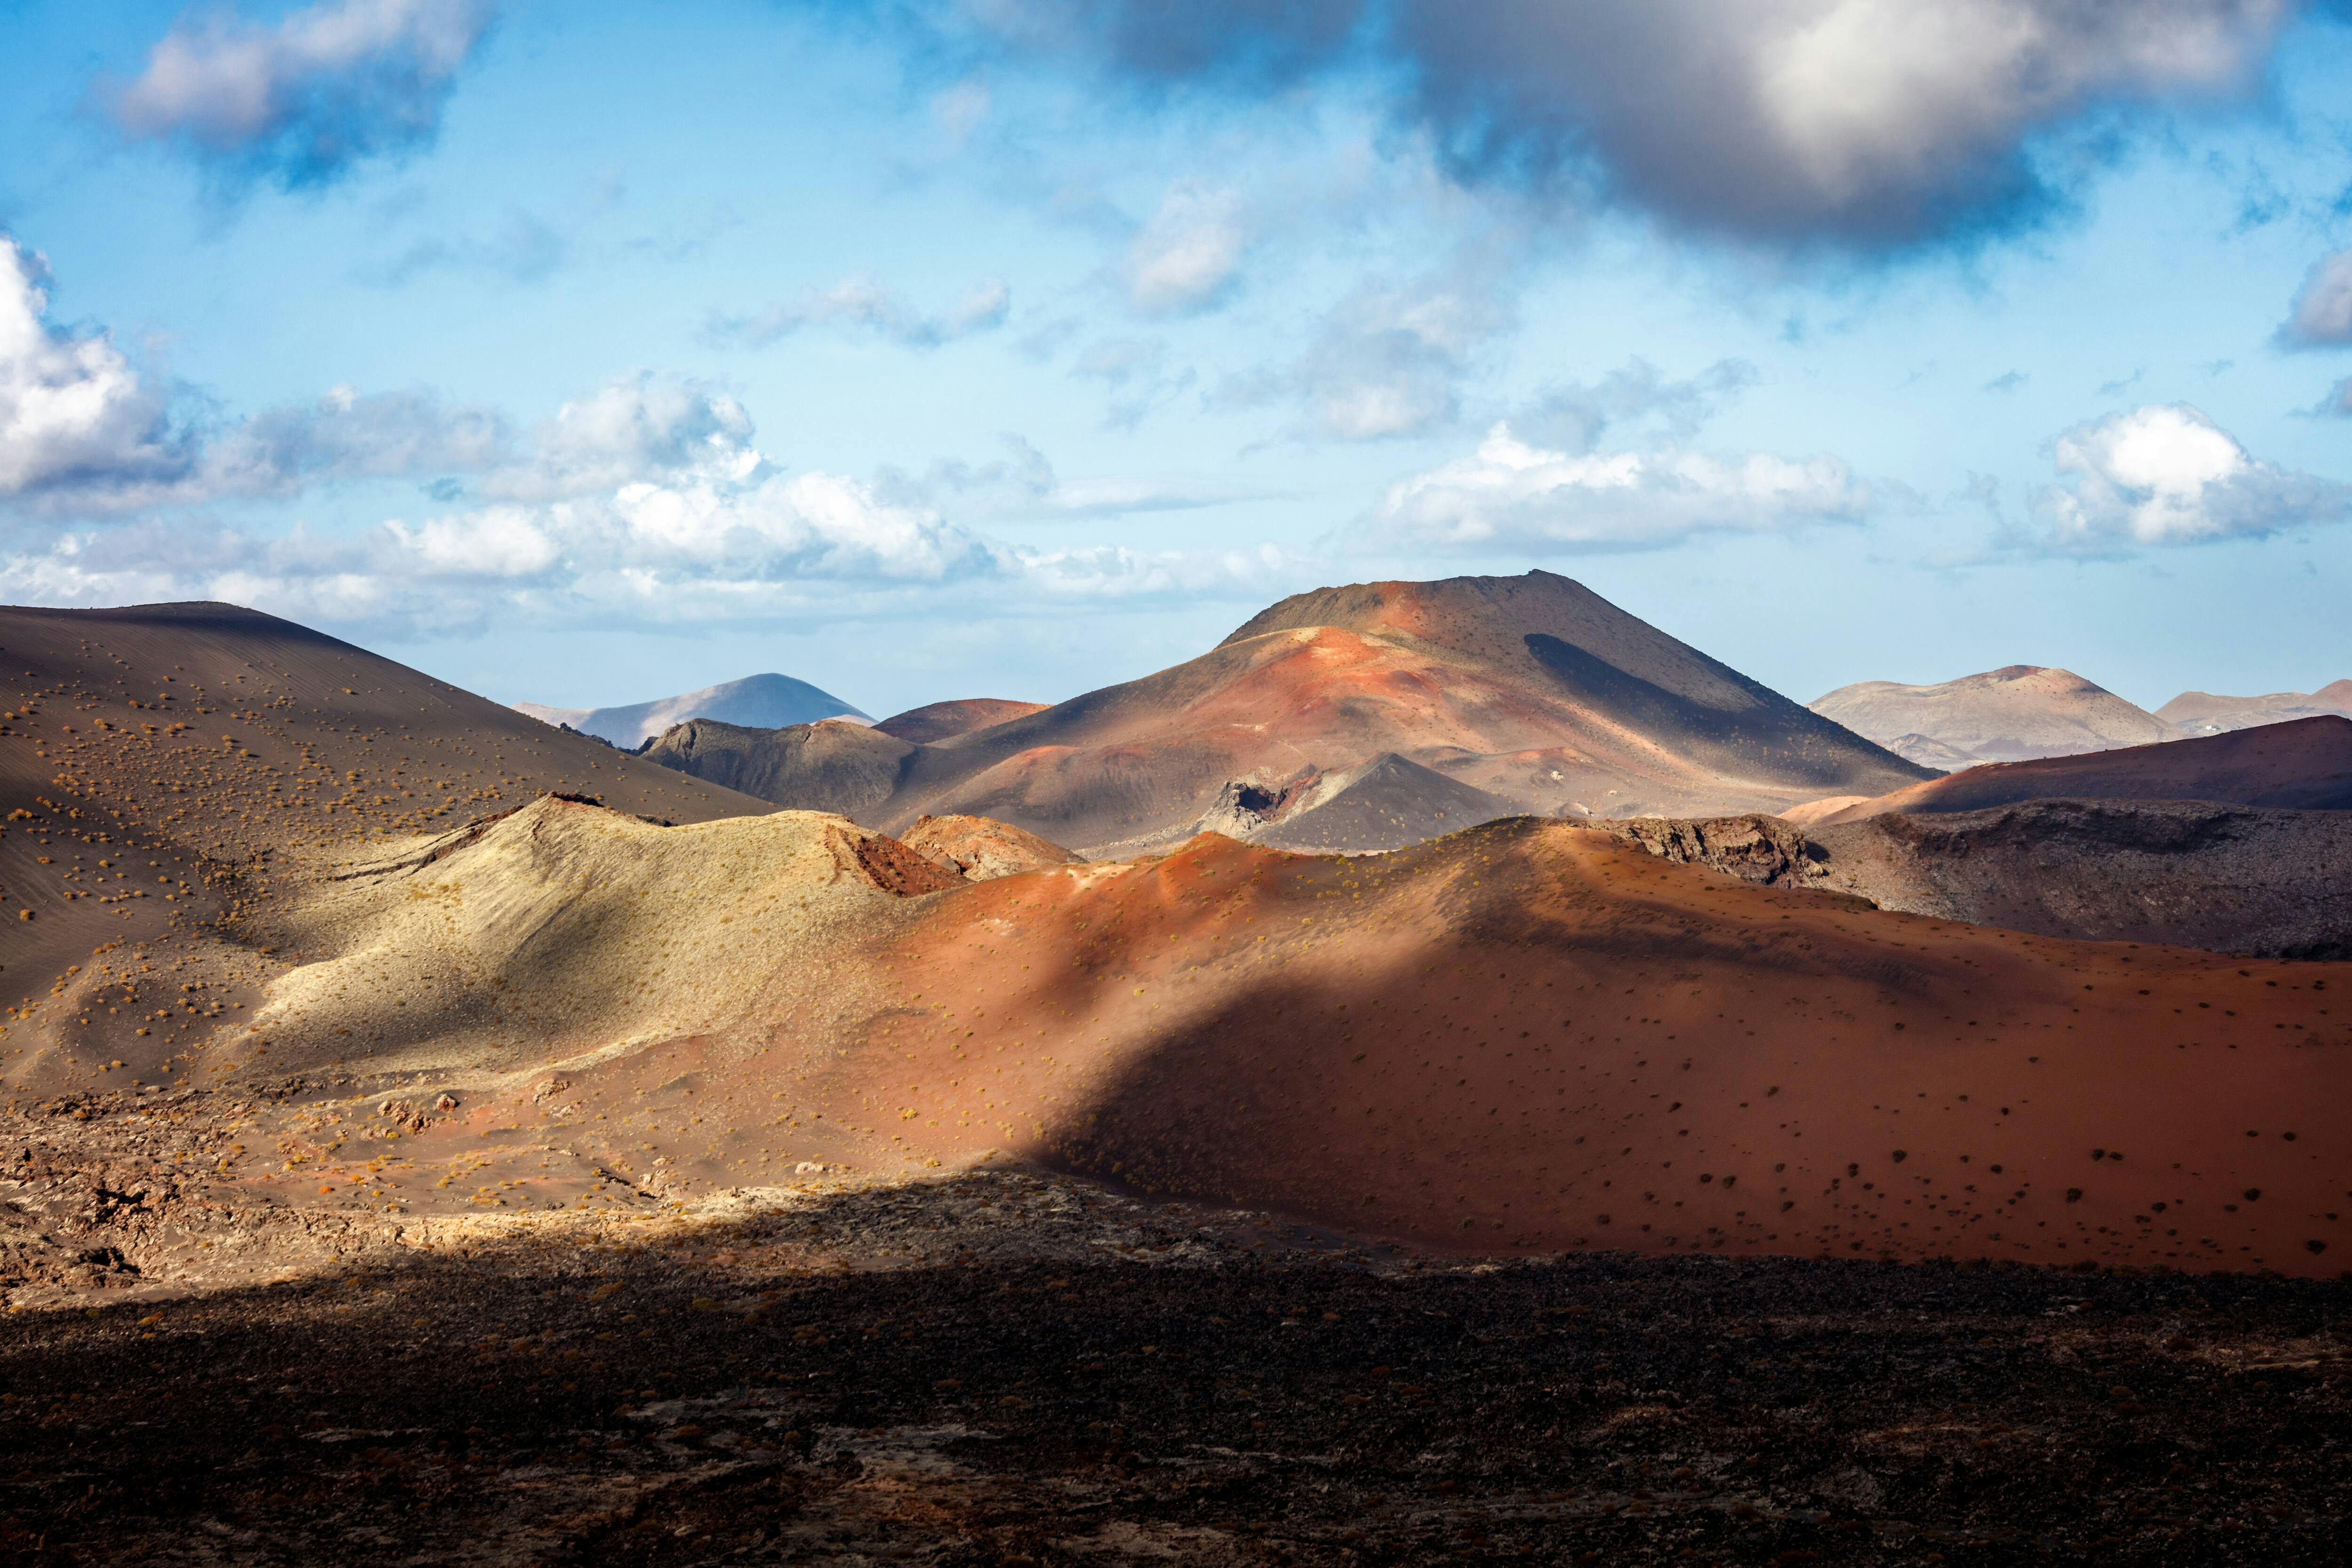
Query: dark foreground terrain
point(1007, 1369)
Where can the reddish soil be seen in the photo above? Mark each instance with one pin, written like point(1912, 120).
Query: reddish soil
point(1531, 1037)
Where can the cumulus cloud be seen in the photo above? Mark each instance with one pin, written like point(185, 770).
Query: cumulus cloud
point(84, 432)
point(1188, 257)
point(2165, 474)
point(2338, 403)
point(2321, 316)
point(1515, 499)
point(649, 501)
point(75, 414)
point(303, 99)
point(865, 305)
point(1862, 122)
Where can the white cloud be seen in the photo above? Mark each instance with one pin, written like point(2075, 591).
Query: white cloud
point(83, 433)
point(648, 501)
point(73, 413)
point(305, 98)
point(862, 303)
point(2321, 316)
point(2165, 474)
point(1511, 497)
point(1188, 255)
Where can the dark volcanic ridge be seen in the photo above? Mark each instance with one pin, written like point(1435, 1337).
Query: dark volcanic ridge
point(2304, 764)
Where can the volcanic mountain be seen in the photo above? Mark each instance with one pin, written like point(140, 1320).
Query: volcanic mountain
point(2204, 714)
point(2003, 715)
point(763, 702)
point(1531, 688)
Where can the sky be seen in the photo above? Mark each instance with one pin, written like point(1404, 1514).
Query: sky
point(585, 353)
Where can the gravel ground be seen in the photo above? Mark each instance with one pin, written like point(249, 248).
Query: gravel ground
point(1005, 1368)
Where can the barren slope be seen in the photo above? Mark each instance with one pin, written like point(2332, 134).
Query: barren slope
point(833, 765)
point(194, 748)
point(2003, 715)
point(1379, 805)
point(936, 722)
point(2301, 765)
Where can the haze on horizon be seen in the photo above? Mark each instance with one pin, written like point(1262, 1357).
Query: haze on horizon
point(1006, 348)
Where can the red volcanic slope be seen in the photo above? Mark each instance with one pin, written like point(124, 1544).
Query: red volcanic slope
point(1532, 687)
point(2304, 764)
point(936, 721)
point(1532, 1036)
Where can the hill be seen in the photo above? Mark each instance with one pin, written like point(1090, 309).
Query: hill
point(2304, 764)
point(1382, 803)
point(939, 721)
point(1522, 1038)
point(832, 766)
point(2204, 713)
point(1533, 690)
point(161, 763)
point(2009, 714)
point(756, 702)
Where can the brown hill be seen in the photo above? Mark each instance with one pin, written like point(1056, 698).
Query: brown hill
point(1532, 689)
point(978, 848)
point(936, 721)
point(2003, 715)
point(2204, 713)
point(1383, 803)
point(1526, 1038)
point(2304, 765)
point(157, 763)
point(831, 765)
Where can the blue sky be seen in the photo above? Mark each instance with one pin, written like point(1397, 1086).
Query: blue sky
point(587, 354)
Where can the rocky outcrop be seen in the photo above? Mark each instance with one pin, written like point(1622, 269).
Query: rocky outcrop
point(978, 848)
point(1754, 848)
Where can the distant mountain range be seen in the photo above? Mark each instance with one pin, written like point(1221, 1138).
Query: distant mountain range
point(2000, 716)
point(2204, 714)
point(2027, 711)
point(756, 702)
